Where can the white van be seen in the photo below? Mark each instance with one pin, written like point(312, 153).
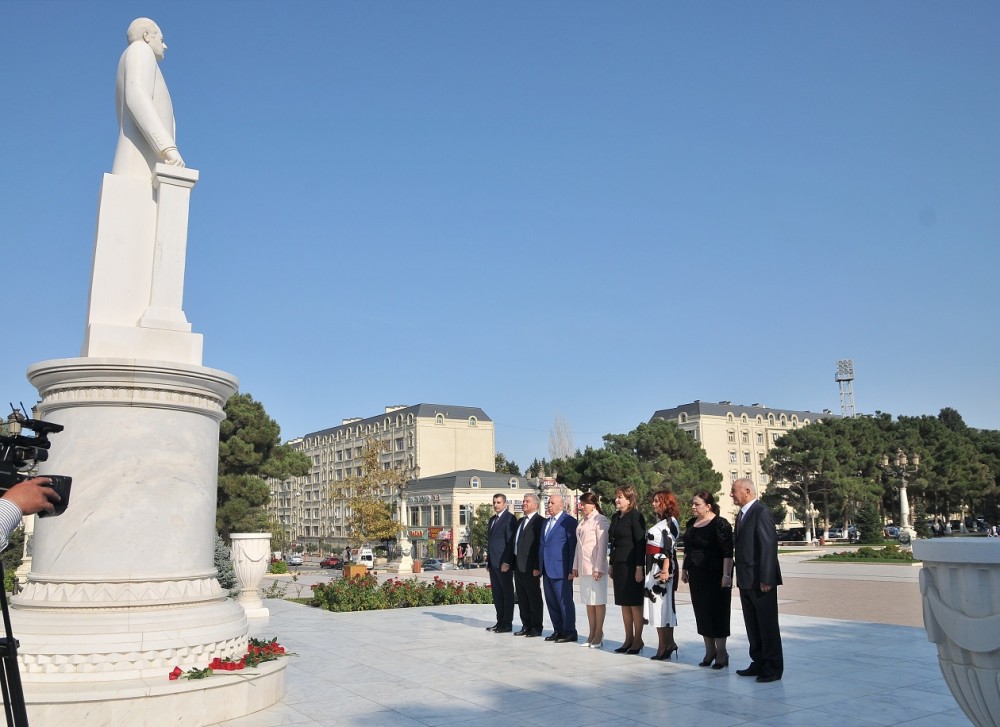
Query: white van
point(364, 556)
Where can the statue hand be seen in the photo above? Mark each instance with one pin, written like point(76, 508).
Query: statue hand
point(173, 158)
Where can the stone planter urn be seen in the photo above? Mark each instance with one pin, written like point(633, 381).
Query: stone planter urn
point(251, 554)
point(960, 587)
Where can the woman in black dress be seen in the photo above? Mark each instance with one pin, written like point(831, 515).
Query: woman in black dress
point(708, 569)
point(627, 538)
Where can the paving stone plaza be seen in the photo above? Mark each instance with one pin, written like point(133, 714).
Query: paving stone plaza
point(855, 654)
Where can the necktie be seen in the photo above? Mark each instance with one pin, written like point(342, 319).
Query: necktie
point(520, 527)
point(739, 517)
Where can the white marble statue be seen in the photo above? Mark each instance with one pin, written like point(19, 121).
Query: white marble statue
point(145, 114)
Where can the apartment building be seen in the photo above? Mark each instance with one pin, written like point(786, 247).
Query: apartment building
point(422, 440)
point(736, 438)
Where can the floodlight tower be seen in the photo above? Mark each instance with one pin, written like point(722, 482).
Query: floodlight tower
point(845, 379)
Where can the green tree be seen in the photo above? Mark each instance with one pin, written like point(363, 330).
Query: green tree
point(370, 518)
point(505, 466)
point(869, 523)
point(652, 456)
point(480, 534)
point(250, 450)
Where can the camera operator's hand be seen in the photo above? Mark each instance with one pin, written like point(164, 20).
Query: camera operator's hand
point(33, 496)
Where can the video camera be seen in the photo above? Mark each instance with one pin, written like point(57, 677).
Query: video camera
point(18, 449)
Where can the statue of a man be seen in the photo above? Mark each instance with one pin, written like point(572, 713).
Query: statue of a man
point(145, 113)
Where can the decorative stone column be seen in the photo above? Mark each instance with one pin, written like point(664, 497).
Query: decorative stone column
point(123, 584)
point(251, 553)
point(960, 586)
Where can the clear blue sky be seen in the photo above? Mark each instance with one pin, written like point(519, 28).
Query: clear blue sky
point(594, 209)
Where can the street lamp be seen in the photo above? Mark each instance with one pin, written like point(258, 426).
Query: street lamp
point(899, 468)
point(405, 559)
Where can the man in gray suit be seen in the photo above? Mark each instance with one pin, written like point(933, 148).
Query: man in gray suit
point(758, 576)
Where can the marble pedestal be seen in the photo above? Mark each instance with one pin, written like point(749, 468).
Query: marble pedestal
point(122, 586)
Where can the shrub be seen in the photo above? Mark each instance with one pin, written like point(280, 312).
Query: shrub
point(889, 552)
point(278, 567)
point(363, 593)
point(224, 565)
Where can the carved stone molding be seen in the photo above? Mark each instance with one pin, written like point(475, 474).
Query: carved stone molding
point(118, 596)
point(130, 663)
point(131, 396)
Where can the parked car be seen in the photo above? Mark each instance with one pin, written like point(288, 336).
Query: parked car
point(891, 531)
point(836, 532)
point(435, 564)
point(331, 562)
point(294, 559)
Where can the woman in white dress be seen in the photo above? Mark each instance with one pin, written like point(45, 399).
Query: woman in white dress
point(661, 572)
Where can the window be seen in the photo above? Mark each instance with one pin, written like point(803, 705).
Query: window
point(733, 476)
point(339, 455)
point(760, 437)
point(774, 436)
point(386, 465)
point(731, 436)
point(746, 475)
point(439, 419)
point(463, 514)
point(473, 421)
point(474, 482)
point(683, 417)
point(746, 458)
point(513, 483)
point(399, 444)
point(745, 437)
point(732, 456)
point(763, 479)
point(409, 418)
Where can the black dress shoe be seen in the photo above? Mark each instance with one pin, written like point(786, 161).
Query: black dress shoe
point(765, 678)
point(491, 628)
point(750, 671)
point(532, 633)
point(554, 636)
point(503, 629)
point(522, 632)
point(566, 639)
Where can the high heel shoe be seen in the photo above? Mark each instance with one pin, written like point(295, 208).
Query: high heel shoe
point(668, 652)
point(707, 661)
point(636, 650)
point(721, 664)
point(623, 649)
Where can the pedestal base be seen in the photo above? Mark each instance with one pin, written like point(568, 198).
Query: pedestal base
point(157, 701)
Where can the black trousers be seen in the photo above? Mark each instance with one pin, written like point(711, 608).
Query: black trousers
point(502, 585)
point(760, 614)
point(529, 599)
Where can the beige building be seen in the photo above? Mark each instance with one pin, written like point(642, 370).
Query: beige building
point(422, 440)
point(736, 438)
point(440, 508)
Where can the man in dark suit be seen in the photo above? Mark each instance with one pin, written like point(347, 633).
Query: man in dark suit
point(500, 544)
point(556, 564)
point(527, 576)
point(758, 576)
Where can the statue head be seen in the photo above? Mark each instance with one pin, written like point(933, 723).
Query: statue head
point(149, 32)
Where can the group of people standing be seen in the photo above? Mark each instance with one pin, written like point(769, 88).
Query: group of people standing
point(536, 555)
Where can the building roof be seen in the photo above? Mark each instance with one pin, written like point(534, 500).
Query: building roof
point(703, 408)
point(499, 481)
point(419, 411)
